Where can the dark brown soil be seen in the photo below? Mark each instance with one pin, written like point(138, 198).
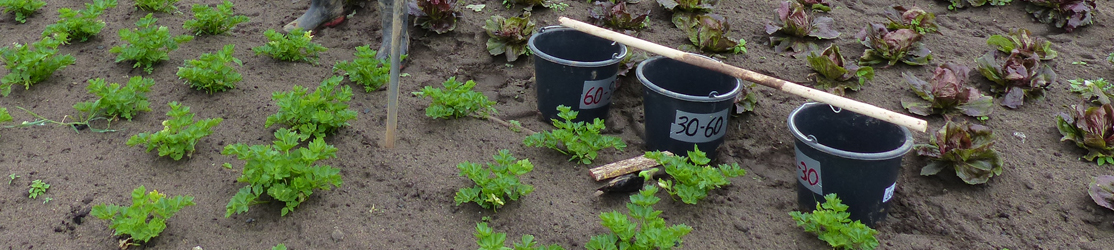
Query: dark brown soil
point(401, 198)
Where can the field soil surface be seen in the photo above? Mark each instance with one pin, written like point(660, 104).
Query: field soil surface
point(402, 198)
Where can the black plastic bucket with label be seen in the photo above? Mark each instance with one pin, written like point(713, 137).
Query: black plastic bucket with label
point(685, 105)
point(852, 155)
point(574, 69)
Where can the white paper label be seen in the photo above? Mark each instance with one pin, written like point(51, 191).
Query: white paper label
point(698, 128)
point(808, 173)
point(597, 93)
point(889, 193)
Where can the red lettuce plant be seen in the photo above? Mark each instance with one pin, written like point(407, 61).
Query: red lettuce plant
point(509, 35)
point(965, 147)
point(615, 16)
point(959, 4)
point(437, 15)
point(745, 101)
point(946, 93)
point(892, 46)
point(817, 5)
point(529, 4)
point(691, 6)
point(1022, 41)
point(1101, 190)
point(833, 72)
point(913, 18)
point(1097, 90)
point(796, 24)
point(1017, 76)
point(1092, 129)
point(708, 32)
point(1066, 14)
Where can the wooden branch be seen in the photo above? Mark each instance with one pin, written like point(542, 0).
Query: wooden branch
point(623, 167)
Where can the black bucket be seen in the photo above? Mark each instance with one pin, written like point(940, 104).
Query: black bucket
point(685, 105)
point(852, 155)
point(575, 69)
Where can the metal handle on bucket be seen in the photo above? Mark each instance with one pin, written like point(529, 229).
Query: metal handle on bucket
point(546, 28)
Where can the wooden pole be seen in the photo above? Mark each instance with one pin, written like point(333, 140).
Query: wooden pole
point(779, 84)
point(623, 167)
point(396, 61)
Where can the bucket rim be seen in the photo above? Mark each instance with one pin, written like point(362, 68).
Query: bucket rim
point(710, 98)
point(895, 153)
point(615, 59)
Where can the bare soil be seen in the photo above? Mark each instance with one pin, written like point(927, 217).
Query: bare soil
point(401, 198)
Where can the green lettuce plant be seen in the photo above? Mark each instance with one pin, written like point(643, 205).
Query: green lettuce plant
point(508, 36)
point(834, 74)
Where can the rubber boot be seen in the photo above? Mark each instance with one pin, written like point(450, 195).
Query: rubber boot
point(385, 9)
point(320, 12)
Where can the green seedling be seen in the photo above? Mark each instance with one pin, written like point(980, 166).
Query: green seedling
point(213, 21)
point(579, 139)
point(488, 239)
point(21, 8)
point(832, 223)
point(497, 183)
point(80, 24)
point(11, 177)
point(145, 218)
point(147, 45)
point(366, 70)
point(282, 172)
point(212, 72)
point(643, 228)
point(456, 100)
point(179, 135)
point(156, 5)
point(38, 187)
point(28, 64)
point(692, 177)
point(317, 113)
point(296, 46)
point(116, 101)
point(280, 246)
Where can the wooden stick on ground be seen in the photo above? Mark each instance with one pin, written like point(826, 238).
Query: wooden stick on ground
point(783, 85)
point(623, 167)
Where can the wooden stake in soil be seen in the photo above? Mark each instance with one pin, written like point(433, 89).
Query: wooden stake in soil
point(783, 85)
point(623, 167)
point(392, 92)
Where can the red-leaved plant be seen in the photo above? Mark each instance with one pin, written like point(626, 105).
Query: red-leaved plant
point(1092, 129)
point(1101, 190)
point(946, 93)
point(796, 24)
point(914, 18)
point(965, 147)
point(1017, 76)
point(891, 46)
point(437, 15)
point(615, 16)
point(1066, 14)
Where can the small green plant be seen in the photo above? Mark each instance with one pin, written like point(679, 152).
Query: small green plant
point(213, 21)
point(319, 113)
point(642, 229)
point(147, 45)
point(694, 178)
point(366, 70)
point(212, 72)
point(1022, 41)
point(832, 223)
point(835, 74)
point(156, 5)
point(488, 239)
point(30, 64)
point(296, 46)
point(580, 139)
point(708, 33)
point(11, 177)
point(21, 8)
point(38, 187)
point(1098, 90)
point(80, 24)
point(456, 100)
point(116, 101)
point(47, 199)
point(497, 183)
point(147, 215)
point(179, 135)
point(280, 246)
point(282, 172)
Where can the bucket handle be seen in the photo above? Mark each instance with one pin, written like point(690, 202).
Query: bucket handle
point(713, 94)
point(546, 28)
point(835, 109)
point(811, 138)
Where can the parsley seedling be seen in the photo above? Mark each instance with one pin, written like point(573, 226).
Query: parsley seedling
point(296, 46)
point(319, 113)
point(832, 222)
point(282, 172)
point(147, 215)
point(580, 139)
point(21, 8)
point(11, 177)
point(694, 178)
point(456, 100)
point(80, 24)
point(179, 135)
point(212, 72)
point(147, 45)
point(32, 63)
point(280, 246)
point(116, 101)
point(156, 5)
point(366, 70)
point(642, 229)
point(213, 21)
point(497, 183)
point(488, 239)
point(38, 187)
